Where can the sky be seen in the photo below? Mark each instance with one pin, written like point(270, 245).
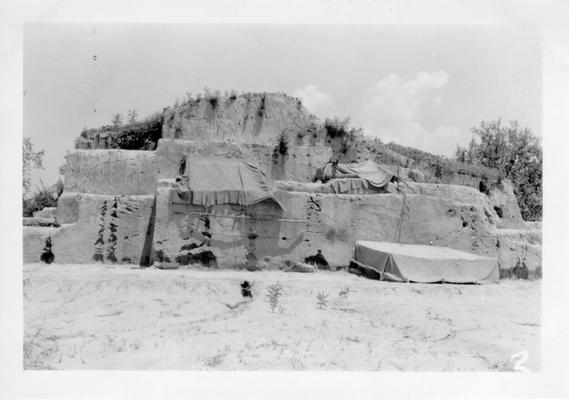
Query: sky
point(421, 86)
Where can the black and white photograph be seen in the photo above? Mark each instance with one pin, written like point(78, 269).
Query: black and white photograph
point(284, 197)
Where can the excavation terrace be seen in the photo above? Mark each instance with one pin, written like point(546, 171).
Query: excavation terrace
point(251, 182)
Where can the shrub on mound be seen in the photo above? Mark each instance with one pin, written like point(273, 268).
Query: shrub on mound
point(133, 136)
point(43, 197)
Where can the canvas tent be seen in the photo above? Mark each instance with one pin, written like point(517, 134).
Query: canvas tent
point(212, 181)
point(424, 264)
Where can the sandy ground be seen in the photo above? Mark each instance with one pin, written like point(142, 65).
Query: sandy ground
point(117, 317)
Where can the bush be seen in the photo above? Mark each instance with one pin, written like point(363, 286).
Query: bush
point(339, 128)
point(43, 197)
point(282, 145)
point(140, 135)
point(134, 136)
point(213, 101)
point(442, 167)
point(261, 110)
point(517, 154)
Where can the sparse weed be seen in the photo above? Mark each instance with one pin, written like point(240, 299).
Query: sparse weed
point(502, 366)
point(214, 361)
point(26, 284)
point(322, 300)
point(274, 292)
point(354, 339)
point(38, 349)
point(217, 360)
point(296, 364)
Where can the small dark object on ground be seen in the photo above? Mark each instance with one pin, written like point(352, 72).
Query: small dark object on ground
point(298, 267)
point(483, 187)
point(190, 246)
point(318, 260)
point(362, 270)
point(246, 289)
point(520, 271)
point(167, 265)
point(160, 256)
point(47, 256)
point(505, 273)
point(205, 258)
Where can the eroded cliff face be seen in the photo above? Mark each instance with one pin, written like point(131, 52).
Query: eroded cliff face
point(311, 222)
point(248, 118)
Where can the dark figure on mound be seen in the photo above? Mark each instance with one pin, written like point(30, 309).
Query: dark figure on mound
point(246, 289)
point(47, 256)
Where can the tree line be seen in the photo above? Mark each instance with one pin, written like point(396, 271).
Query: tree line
point(517, 154)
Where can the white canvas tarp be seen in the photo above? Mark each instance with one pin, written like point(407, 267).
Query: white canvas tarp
point(425, 264)
point(225, 181)
point(369, 171)
point(345, 177)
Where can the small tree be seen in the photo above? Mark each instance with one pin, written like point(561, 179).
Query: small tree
point(438, 169)
point(132, 116)
point(116, 121)
point(30, 160)
point(274, 292)
point(322, 300)
point(460, 154)
point(517, 154)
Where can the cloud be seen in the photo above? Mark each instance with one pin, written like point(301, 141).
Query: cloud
point(394, 101)
point(441, 140)
point(392, 110)
point(314, 99)
point(444, 139)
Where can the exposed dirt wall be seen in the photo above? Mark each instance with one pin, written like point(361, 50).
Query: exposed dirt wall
point(249, 118)
point(111, 172)
point(300, 163)
point(127, 172)
point(312, 222)
point(520, 245)
point(504, 202)
point(95, 228)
